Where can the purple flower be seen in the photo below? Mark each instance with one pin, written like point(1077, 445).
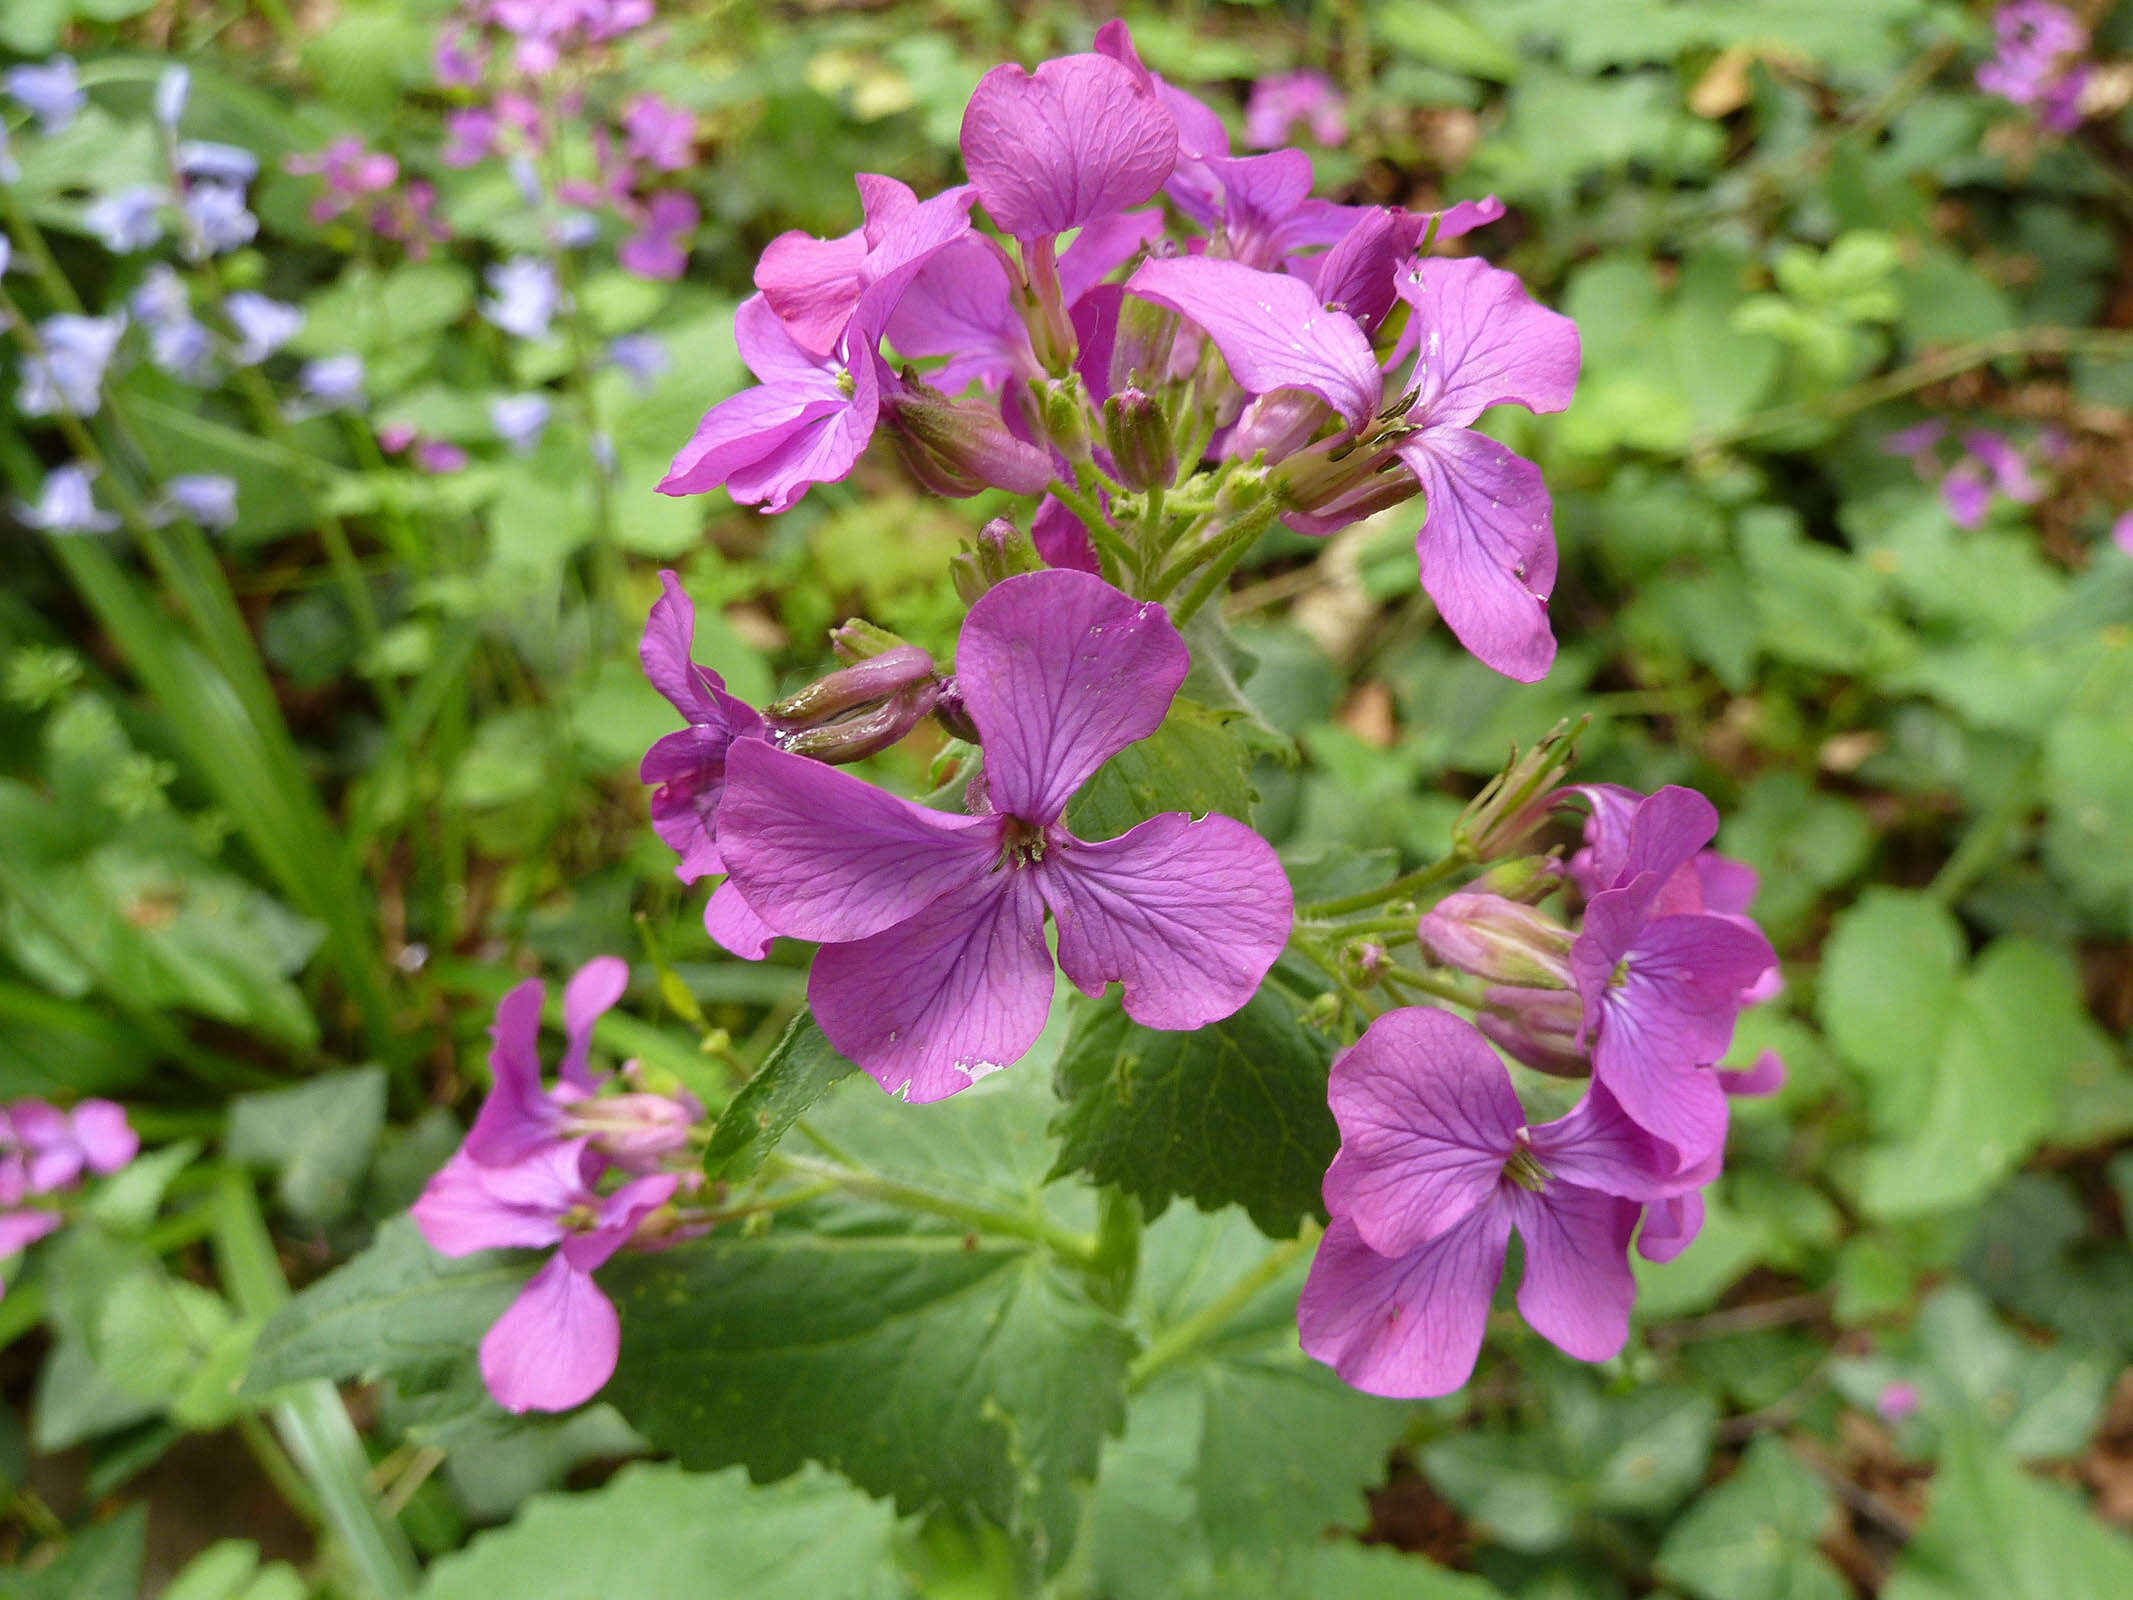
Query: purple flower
point(2036, 61)
point(2122, 532)
point(217, 218)
point(470, 137)
point(1988, 463)
point(519, 1116)
point(65, 504)
point(934, 970)
point(217, 163)
point(815, 285)
point(556, 1344)
point(689, 767)
point(523, 296)
point(1918, 443)
point(51, 93)
point(1078, 139)
point(660, 134)
point(643, 356)
point(172, 88)
point(57, 1147)
point(655, 250)
point(1436, 1169)
point(520, 419)
point(1281, 100)
point(439, 457)
point(208, 499)
point(67, 372)
point(10, 172)
point(1896, 1402)
point(1201, 135)
point(263, 325)
point(331, 383)
point(127, 221)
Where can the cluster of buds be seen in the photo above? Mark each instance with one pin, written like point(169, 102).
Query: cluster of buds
point(45, 1152)
point(584, 1166)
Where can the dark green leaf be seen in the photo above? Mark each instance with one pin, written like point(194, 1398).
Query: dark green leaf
point(1197, 761)
point(102, 1562)
point(799, 1070)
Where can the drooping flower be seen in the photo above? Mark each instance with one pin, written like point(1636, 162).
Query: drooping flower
point(1281, 100)
point(217, 220)
point(127, 221)
point(934, 970)
point(207, 498)
point(556, 1344)
point(1437, 1168)
point(65, 504)
point(51, 92)
point(263, 325)
point(67, 371)
point(523, 296)
point(520, 419)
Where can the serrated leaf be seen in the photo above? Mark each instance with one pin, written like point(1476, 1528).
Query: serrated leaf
point(1753, 1537)
point(1232, 1113)
point(659, 1533)
point(801, 1067)
point(1197, 761)
point(1889, 975)
point(317, 1137)
point(1348, 1571)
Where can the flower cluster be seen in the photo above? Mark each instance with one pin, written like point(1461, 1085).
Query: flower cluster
point(534, 1173)
point(1176, 380)
point(1439, 1162)
point(1985, 464)
point(44, 1152)
point(933, 970)
point(366, 183)
point(2038, 61)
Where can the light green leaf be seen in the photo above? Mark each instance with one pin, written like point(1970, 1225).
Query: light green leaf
point(317, 1137)
point(101, 1562)
point(1444, 36)
point(1753, 1537)
point(1888, 986)
point(1345, 1571)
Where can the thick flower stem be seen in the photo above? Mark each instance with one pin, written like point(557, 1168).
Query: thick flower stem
point(1116, 1265)
point(1184, 1338)
point(1414, 882)
point(1120, 563)
point(1032, 1225)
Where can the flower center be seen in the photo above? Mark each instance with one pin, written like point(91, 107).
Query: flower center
point(1022, 844)
point(1523, 1167)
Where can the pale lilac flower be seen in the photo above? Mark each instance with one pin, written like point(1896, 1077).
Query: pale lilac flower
point(2037, 61)
point(1078, 139)
point(331, 383)
point(574, 230)
point(206, 498)
point(128, 220)
point(524, 297)
point(173, 86)
point(1437, 1168)
point(655, 250)
point(185, 349)
point(52, 93)
point(217, 163)
point(439, 457)
point(643, 356)
point(689, 767)
point(520, 419)
point(934, 970)
point(65, 504)
point(556, 1345)
point(10, 170)
point(263, 325)
point(218, 219)
point(1281, 100)
point(660, 134)
point(67, 371)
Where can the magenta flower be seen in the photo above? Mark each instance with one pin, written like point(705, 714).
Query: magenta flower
point(655, 249)
point(1487, 543)
point(1661, 988)
point(934, 970)
point(815, 285)
point(556, 1345)
point(660, 134)
point(2122, 532)
point(1281, 100)
point(2036, 61)
point(1077, 140)
point(1436, 1170)
point(1201, 134)
point(689, 767)
point(21, 1229)
point(57, 1147)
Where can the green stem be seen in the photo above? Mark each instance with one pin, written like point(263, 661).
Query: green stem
point(1183, 1338)
point(309, 1416)
point(1235, 543)
point(1420, 879)
point(1117, 1262)
point(1033, 1225)
point(1981, 846)
point(1119, 561)
point(283, 1473)
point(1437, 988)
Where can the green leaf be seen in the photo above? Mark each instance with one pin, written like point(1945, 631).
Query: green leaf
point(1348, 1571)
point(1888, 986)
point(1753, 1537)
point(1232, 1113)
point(1444, 36)
point(397, 1306)
point(1991, 1529)
point(659, 1533)
point(317, 1136)
point(1197, 761)
point(102, 1562)
point(989, 1382)
point(2088, 836)
point(801, 1067)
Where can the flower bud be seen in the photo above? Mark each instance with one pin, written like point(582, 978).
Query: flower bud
point(1141, 348)
point(1511, 809)
point(1526, 879)
point(1063, 409)
point(959, 448)
point(1144, 452)
point(855, 738)
point(875, 678)
point(637, 1132)
point(1499, 940)
point(1538, 1027)
point(1000, 551)
point(950, 712)
point(856, 639)
point(1280, 424)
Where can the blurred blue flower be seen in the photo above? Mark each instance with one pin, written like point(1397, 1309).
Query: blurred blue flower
point(524, 298)
point(263, 325)
point(51, 92)
point(330, 383)
point(65, 505)
point(205, 497)
point(217, 163)
point(184, 349)
point(127, 221)
point(574, 230)
point(219, 219)
point(171, 91)
point(67, 373)
point(520, 419)
point(642, 355)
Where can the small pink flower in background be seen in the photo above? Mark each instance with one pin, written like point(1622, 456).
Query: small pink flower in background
point(657, 249)
point(1283, 99)
point(439, 456)
point(1897, 1401)
point(351, 171)
point(1987, 465)
point(2122, 532)
point(46, 1151)
point(2037, 61)
point(660, 134)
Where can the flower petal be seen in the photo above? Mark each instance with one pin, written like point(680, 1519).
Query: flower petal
point(107, 1139)
point(1577, 1288)
point(516, 1117)
point(1078, 139)
point(1060, 672)
point(665, 652)
point(933, 1004)
point(1187, 915)
point(818, 854)
point(1670, 1227)
point(1270, 328)
point(960, 304)
point(1487, 547)
point(812, 284)
point(1483, 341)
point(619, 1215)
point(1427, 1117)
point(460, 1210)
point(1597, 1145)
point(591, 992)
point(733, 927)
point(1404, 1326)
point(555, 1347)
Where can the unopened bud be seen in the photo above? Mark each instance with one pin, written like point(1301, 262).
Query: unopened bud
point(1141, 348)
point(637, 1132)
point(950, 712)
point(1063, 408)
point(1499, 940)
point(1527, 879)
point(875, 678)
point(1511, 809)
point(1143, 452)
point(857, 639)
point(1538, 1027)
point(1000, 551)
point(959, 448)
point(854, 738)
